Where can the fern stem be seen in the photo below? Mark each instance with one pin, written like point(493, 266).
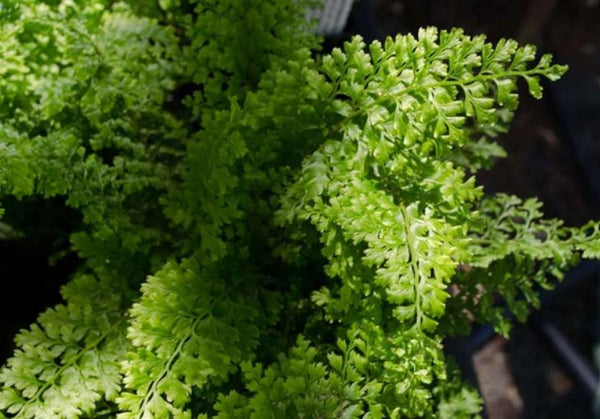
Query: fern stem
point(167, 367)
point(415, 87)
point(413, 267)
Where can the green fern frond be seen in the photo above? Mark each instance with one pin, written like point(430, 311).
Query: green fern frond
point(513, 253)
point(69, 360)
point(186, 331)
point(384, 183)
point(299, 384)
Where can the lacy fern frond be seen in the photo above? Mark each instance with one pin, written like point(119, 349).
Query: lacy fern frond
point(69, 360)
point(509, 232)
point(299, 384)
point(186, 331)
point(384, 183)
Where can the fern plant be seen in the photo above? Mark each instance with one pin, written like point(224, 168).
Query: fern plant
point(266, 232)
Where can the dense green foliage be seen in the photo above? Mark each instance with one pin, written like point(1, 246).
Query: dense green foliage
point(265, 232)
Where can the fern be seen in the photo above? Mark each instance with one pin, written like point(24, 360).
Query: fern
point(184, 334)
point(69, 360)
point(266, 231)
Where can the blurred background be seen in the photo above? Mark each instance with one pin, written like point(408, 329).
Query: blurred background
point(547, 369)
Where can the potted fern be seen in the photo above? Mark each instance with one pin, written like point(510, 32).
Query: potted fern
point(266, 231)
